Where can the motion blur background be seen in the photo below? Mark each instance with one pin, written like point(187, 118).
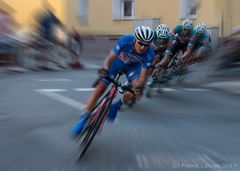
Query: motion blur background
point(109, 19)
point(50, 51)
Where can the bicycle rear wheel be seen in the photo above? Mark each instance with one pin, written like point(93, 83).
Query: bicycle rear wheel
point(93, 127)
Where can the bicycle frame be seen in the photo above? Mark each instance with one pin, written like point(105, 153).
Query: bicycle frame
point(99, 114)
point(193, 54)
point(169, 64)
point(110, 95)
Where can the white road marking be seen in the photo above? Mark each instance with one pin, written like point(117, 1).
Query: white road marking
point(195, 89)
point(63, 99)
point(168, 89)
point(52, 90)
point(84, 89)
point(92, 66)
point(185, 89)
point(54, 80)
point(52, 93)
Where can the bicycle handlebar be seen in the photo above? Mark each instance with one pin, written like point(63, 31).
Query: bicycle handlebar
point(118, 84)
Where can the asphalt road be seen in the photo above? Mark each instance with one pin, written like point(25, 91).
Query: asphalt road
point(182, 129)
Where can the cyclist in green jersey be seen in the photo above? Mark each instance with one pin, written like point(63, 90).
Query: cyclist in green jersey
point(202, 43)
point(183, 40)
point(161, 42)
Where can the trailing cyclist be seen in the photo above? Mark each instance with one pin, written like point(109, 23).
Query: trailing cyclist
point(161, 42)
point(183, 40)
point(132, 55)
point(202, 42)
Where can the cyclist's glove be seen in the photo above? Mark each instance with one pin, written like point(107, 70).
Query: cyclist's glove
point(103, 72)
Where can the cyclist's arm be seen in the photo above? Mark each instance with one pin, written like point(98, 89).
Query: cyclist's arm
point(140, 82)
point(152, 66)
point(168, 53)
point(191, 43)
point(206, 43)
point(164, 60)
point(175, 30)
point(187, 53)
point(143, 77)
point(186, 56)
point(116, 50)
point(108, 60)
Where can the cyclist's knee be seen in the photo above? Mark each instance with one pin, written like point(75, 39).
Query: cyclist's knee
point(138, 82)
point(128, 97)
point(138, 92)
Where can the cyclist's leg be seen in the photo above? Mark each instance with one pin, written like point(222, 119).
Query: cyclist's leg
point(184, 58)
point(202, 53)
point(77, 129)
point(96, 94)
point(132, 72)
point(116, 66)
point(194, 55)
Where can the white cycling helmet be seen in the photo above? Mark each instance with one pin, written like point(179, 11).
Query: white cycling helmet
point(187, 24)
point(201, 28)
point(144, 34)
point(162, 31)
point(164, 26)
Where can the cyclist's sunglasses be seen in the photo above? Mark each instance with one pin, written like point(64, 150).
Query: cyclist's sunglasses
point(142, 44)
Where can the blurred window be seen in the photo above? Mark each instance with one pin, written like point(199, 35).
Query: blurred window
point(83, 10)
point(188, 8)
point(126, 10)
point(192, 8)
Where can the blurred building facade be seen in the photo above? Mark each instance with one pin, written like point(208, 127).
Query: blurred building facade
point(25, 11)
point(117, 17)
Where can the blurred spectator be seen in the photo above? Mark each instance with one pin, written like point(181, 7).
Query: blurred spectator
point(7, 26)
point(75, 45)
point(8, 41)
point(231, 50)
point(47, 22)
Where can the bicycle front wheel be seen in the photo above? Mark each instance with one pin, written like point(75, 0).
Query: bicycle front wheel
point(93, 126)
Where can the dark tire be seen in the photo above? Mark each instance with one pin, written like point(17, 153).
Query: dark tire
point(93, 128)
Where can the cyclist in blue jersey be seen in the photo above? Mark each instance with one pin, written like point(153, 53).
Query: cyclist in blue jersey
point(133, 55)
point(161, 42)
point(202, 41)
point(184, 37)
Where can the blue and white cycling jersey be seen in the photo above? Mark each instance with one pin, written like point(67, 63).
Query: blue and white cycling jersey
point(129, 61)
